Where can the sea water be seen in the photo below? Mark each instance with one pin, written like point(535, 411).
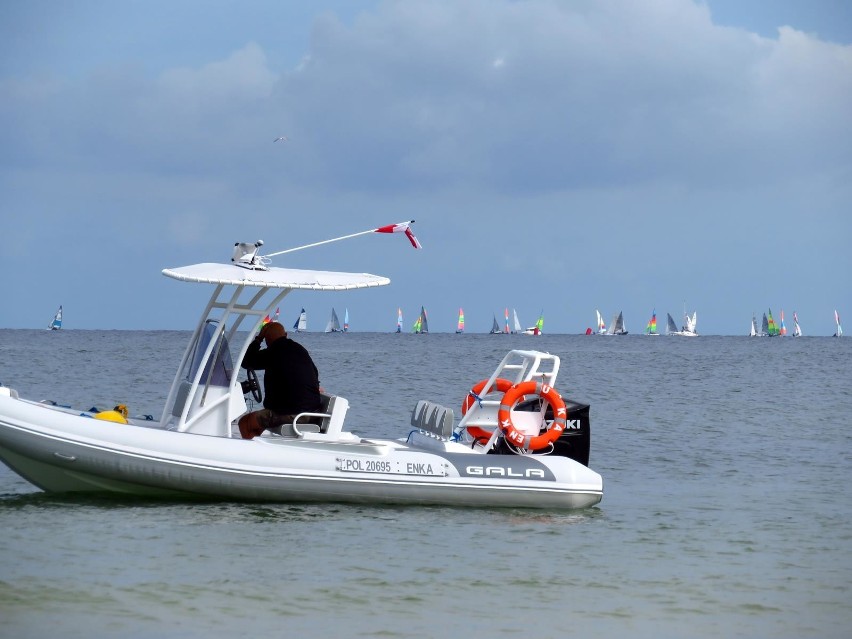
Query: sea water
point(726, 508)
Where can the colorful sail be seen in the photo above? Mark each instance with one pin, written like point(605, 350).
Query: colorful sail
point(346, 321)
point(782, 330)
point(460, 326)
point(421, 325)
point(275, 317)
point(651, 328)
point(399, 320)
point(537, 328)
point(506, 325)
point(772, 327)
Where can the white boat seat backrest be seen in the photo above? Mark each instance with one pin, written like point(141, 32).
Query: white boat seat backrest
point(333, 413)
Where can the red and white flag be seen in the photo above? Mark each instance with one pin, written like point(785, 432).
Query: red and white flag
point(402, 227)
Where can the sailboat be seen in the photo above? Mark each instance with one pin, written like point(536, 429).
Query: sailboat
point(782, 330)
point(671, 327)
point(517, 327)
point(274, 318)
point(797, 330)
point(839, 331)
point(333, 325)
point(617, 325)
point(753, 331)
point(346, 321)
point(685, 331)
point(651, 328)
point(56, 322)
point(399, 320)
point(764, 327)
point(600, 323)
point(691, 322)
point(495, 328)
point(421, 325)
point(538, 328)
point(772, 328)
point(460, 325)
point(301, 324)
point(506, 318)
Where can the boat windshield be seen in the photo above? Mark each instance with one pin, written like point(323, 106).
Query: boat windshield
point(219, 366)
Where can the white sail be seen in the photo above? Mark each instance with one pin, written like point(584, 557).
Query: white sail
point(753, 331)
point(517, 322)
point(671, 327)
point(301, 323)
point(797, 330)
point(690, 322)
point(688, 329)
point(333, 325)
point(619, 324)
point(56, 322)
point(601, 325)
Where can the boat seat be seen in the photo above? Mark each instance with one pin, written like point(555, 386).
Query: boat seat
point(433, 418)
point(11, 392)
point(333, 409)
point(417, 413)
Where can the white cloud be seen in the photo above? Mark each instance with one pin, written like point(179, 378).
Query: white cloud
point(612, 92)
point(243, 77)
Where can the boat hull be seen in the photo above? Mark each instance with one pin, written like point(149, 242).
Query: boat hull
point(65, 453)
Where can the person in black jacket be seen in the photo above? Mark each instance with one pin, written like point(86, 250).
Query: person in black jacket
point(290, 381)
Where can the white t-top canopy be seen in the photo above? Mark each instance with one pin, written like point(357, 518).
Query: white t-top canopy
point(274, 277)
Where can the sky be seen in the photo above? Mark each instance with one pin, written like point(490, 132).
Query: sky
point(558, 157)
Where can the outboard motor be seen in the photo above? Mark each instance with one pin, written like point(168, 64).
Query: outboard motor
point(574, 442)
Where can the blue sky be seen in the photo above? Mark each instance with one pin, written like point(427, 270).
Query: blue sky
point(557, 156)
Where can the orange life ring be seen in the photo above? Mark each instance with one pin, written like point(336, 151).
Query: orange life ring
point(548, 394)
point(500, 385)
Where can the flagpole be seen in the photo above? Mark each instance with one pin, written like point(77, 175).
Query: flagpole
point(335, 239)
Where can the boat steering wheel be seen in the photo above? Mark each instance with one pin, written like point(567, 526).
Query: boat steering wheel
point(251, 385)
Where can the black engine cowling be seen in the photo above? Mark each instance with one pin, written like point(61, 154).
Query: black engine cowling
point(574, 442)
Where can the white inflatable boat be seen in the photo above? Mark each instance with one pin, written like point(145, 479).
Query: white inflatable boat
point(517, 442)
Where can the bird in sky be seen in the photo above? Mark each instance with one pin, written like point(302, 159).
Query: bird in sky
point(283, 138)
